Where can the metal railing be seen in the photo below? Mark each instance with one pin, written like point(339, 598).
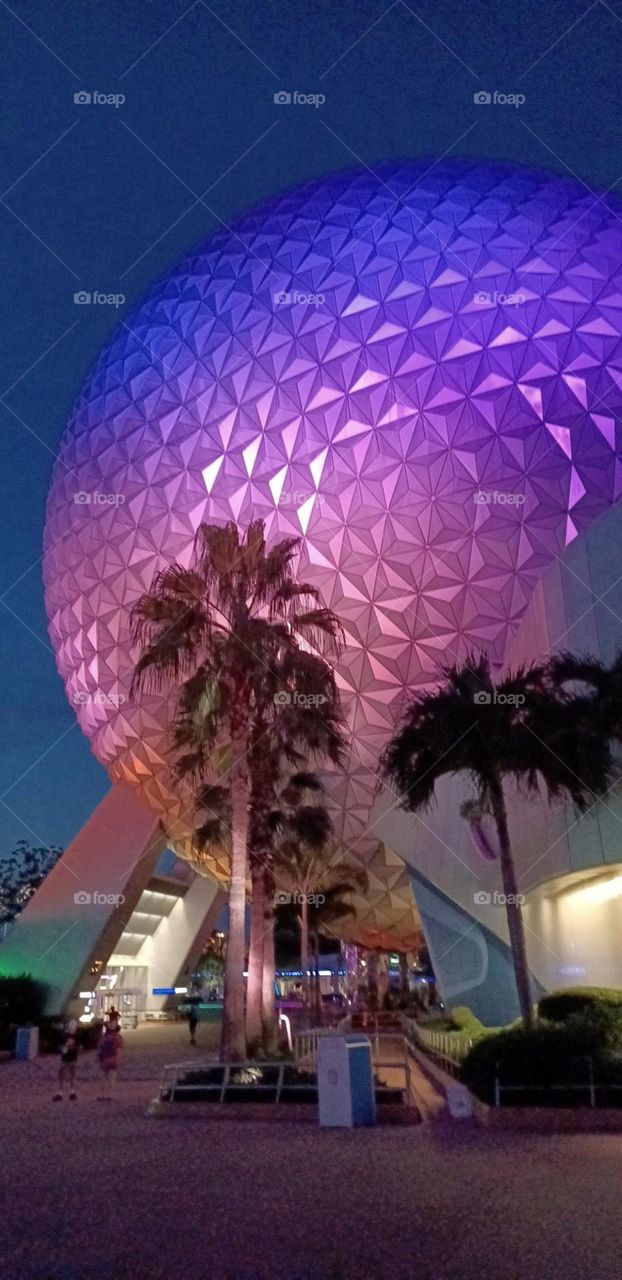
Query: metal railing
point(448, 1048)
point(590, 1086)
point(306, 1051)
point(305, 1046)
point(235, 1075)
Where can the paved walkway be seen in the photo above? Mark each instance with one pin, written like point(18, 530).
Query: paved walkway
point(96, 1191)
point(147, 1049)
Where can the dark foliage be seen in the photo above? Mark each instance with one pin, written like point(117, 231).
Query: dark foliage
point(524, 727)
point(21, 873)
point(21, 1002)
point(548, 1061)
point(559, 1005)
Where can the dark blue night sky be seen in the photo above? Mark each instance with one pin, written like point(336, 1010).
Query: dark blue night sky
point(103, 197)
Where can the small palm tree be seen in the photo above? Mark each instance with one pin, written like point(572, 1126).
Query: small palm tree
point(312, 870)
point(302, 832)
point(212, 631)
point(527, 728)
point(300, 722)
point(333, 904)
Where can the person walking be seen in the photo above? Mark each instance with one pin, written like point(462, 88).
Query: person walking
point(109, 1052)
point(69, 1050)
point(193, 1019)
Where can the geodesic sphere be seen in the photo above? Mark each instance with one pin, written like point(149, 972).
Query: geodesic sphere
point(419, 372)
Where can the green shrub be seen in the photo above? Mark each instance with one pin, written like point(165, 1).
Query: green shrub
point(463, 1019)
point(21, 1002)
point(558, 1005)
point(549, 1054)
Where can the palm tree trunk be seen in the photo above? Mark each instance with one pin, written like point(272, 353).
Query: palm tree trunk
point(254, 1028)
point(270, 1033)
point(304, 951)
point(372, 980)
point(512, 905)
point(316, 966)
point(233, 1039)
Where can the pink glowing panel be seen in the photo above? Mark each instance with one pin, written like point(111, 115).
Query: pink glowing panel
point(420, 372)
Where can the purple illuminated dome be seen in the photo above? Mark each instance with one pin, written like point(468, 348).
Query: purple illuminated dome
point(420, 372)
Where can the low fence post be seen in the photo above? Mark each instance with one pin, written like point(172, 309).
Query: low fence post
point(497, 1086)
point(590, 1068)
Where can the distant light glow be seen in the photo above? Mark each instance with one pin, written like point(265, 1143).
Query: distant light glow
point(602, 891)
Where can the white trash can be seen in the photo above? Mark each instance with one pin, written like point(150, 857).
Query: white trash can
point(26, 1043)
point(345, 1082)
point(459, 1102)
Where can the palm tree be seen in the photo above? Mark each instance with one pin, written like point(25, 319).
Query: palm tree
point(302, 831)
point(526, 728)
point(212, 838)
point(304, 725)
point(212, 631)
point(310, 869)
point(330, 907)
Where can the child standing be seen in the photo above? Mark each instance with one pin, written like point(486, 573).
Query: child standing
point(68, 1062)
point(109, 1052)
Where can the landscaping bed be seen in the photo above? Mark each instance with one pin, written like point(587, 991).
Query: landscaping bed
point(268, 1083)
point(572, 1063)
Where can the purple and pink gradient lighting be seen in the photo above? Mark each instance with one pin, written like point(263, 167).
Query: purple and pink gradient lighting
point(421, 373)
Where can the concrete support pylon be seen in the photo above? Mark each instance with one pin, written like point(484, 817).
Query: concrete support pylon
point(70, 927)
